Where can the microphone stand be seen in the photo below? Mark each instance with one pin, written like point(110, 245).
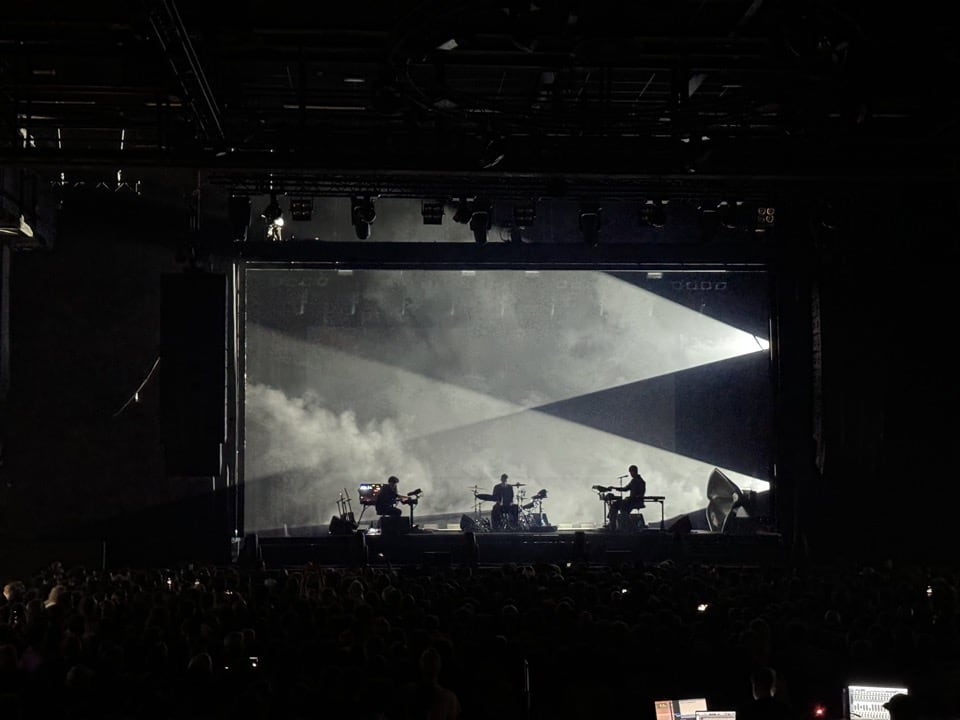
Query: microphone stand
point(412, 499)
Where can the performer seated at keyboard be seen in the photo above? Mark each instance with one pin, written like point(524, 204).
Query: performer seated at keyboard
point(388, 498)
point(505, 512)
point(620, 508)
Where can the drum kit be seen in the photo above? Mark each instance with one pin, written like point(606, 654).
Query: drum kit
point(606, 497)
point(523, 516)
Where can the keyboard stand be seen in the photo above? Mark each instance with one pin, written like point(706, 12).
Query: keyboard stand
point(363, 509)
point(657, 499)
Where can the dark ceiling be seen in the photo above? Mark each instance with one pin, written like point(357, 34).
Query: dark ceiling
point(334, 95)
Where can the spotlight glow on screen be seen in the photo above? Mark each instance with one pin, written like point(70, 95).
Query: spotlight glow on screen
point(447, 379)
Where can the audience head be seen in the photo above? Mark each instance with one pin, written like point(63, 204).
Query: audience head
point(54, 596)
point(763, 681)
point(8, 658)
point(98, 629)
point(901, 707)
point(200, 666)
point(430, 665)
point(14, 591)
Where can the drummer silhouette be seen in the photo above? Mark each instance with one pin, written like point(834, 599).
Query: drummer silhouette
point(505, 513)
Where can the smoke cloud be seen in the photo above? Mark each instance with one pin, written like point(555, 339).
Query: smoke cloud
point(300, 456)
point(436, 376)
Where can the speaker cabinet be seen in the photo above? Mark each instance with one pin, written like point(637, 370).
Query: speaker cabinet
point(193, 377)
point(341, 526)
point(390, 525)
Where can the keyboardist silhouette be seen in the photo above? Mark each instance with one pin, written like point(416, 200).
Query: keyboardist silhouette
point(388, 498)
point(620, 508)
point(386, 505)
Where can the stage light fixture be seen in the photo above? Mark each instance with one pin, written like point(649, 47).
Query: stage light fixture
point(524, 214)
point(273, 216)
point(301, 209)
point(590, 221)
point(766, 219)
point(480, 220)
point(828, 214)
point(362, 213)
point(463, 213)
point(654, 213)
point(730, 213)
point(432, 212)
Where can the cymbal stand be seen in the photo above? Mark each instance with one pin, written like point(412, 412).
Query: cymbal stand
point(476, 503)
point(343, 506)
point(481, 524)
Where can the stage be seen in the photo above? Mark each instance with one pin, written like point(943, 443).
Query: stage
point(454, 547)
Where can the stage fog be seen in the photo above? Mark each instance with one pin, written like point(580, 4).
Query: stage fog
point(448, 378)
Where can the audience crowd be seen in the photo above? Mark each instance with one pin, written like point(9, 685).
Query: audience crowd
point(511, 641)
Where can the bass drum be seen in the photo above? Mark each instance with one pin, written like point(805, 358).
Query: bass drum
point(504, 518)
point(537, 521)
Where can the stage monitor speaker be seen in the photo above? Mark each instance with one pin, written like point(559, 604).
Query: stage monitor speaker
point(341, 526)
point(724, 498)
point(467, 524)
point(390, 525)
point(193, 378)
point(682, 526)
point(250, 554)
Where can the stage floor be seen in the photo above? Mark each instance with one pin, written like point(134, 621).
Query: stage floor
point(450, 547)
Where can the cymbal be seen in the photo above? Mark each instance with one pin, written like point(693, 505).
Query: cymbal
point(518, 484)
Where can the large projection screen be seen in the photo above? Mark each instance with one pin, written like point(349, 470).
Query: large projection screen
point(448, 378)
